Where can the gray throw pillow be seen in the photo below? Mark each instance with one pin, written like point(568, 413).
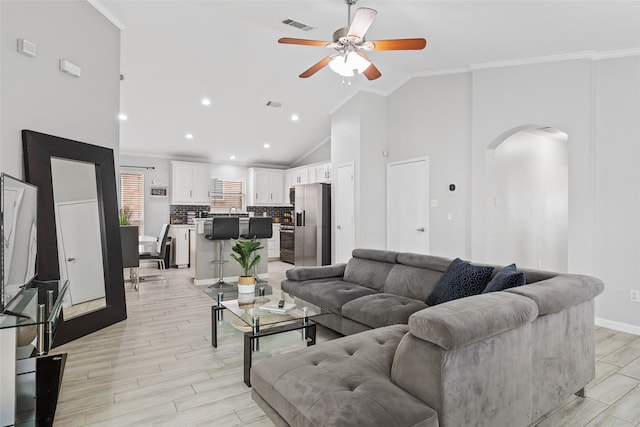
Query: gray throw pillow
point(508, 277)
point(460, 280)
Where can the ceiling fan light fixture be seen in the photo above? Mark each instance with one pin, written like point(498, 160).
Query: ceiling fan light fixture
point(348, 64)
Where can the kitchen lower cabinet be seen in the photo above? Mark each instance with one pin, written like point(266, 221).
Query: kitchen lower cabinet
point(180, 246)
point(273, 243)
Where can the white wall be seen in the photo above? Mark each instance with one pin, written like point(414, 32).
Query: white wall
point(37, 96)
point(617, 188)
point(321, 153)
point(455, 119)
point(553, 94)
point(358, 135)
point(156, 209)
point(432, 117)
point(528, 185)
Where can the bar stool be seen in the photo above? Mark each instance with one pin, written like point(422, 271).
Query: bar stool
point(223, 229)
point(259, 228)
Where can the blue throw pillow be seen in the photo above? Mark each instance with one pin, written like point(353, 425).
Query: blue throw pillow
point(461, 279)
point(506, 278)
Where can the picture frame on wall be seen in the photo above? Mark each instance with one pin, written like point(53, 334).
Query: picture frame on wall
point(158, 191)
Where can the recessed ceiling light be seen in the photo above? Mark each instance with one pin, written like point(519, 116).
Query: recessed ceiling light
point(266, 145)
point(206, 101)
point(295, 117)
point(122, 116)
point(189, 136)
point(232, 157)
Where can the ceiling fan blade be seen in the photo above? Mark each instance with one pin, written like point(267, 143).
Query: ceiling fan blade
point(316, 67)
point(362, 20)
point(399, 44)
point(372, 72)
point(303, 42)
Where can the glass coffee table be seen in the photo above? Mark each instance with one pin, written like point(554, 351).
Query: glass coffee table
point(258, 316)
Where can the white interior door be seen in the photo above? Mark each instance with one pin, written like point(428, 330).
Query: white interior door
point(80, 250)
point(344, 230)
point(407, 213)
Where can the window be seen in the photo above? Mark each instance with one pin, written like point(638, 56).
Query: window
point(132, 198)
point(226, 194)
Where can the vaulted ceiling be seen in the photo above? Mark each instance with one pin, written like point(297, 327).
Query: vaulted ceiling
point(175, 53)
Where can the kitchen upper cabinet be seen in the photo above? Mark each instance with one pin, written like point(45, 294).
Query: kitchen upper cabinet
point(265, 187)
point(190, 183)
point(323, 173)
point(300, 176)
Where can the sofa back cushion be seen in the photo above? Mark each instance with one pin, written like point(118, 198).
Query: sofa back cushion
point(369, 267)
point(415, 275)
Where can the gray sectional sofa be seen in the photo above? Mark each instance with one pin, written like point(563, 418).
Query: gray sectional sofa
point(497, 359)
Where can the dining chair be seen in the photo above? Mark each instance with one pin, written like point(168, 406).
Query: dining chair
point(161, 249)
point(130, 255)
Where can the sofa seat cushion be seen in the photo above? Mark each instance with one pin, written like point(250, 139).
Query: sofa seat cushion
point(344, 382)
point(328, 293)
point(382, 309)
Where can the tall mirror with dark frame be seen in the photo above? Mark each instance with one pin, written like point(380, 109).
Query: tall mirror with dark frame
point(78, 231)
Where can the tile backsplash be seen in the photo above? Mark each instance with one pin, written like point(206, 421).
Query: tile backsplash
point(280, 212)
point(178, 213)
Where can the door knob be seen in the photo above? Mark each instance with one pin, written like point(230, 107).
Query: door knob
point(70, 259)
point(420, 229)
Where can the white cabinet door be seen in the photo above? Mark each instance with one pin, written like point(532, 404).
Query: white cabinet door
point(190, 183)
point(274, 243)
point(276, 188)
point(262, 186)
point(323, 173)
point(180, 246)
point(201, 184)
point(181, 190)
point(300, 176)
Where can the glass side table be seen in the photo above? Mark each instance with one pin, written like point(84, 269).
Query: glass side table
point(29, 385)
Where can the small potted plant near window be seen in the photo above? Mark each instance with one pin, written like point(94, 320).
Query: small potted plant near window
point(244, 254)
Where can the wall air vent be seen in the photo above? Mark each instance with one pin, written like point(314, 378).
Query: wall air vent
point(298, 25)
point(274, 104)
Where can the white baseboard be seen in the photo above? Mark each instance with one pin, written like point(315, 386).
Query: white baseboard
point(618, 326)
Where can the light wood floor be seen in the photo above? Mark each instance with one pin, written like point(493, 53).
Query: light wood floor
point(158, 368)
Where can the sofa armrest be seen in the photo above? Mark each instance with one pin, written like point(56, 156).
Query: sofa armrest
point(560, 292)
point(316, 272)
point(467, 320)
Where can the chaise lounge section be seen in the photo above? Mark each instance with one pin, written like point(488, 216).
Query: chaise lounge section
point(501, 358)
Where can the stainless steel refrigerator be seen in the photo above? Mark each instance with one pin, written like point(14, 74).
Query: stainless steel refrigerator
point(312, 224)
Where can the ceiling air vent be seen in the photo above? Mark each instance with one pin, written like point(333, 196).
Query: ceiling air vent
point(298, 25)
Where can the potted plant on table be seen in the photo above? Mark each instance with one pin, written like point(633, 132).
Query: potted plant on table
point(245, 254)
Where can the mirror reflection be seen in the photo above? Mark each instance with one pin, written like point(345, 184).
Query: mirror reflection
point(19, 235)
point(75, 195)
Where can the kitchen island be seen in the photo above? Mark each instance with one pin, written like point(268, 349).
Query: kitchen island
point(207, 252)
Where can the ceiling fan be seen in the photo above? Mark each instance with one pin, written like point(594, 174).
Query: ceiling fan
point(351, 46)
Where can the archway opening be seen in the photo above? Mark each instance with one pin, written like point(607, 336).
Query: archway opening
point(529, 199)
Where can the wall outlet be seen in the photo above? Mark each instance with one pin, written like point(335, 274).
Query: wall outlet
point(634, 295)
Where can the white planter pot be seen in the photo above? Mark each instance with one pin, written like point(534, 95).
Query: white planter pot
point(247, 289)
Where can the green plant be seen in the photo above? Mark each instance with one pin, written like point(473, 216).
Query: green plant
point(125, 215)
point(245, 254)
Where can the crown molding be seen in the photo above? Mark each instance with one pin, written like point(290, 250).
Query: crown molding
point(107, 13)
point(534, 60)
point(622, 53)
point(444, 72)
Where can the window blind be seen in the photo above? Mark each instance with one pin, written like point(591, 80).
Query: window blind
point(132, 198)
point(226, 194)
